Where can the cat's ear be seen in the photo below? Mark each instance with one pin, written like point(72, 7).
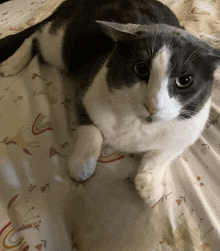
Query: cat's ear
point(116, 30)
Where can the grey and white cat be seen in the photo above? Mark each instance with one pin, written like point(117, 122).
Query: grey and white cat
point(143, 83)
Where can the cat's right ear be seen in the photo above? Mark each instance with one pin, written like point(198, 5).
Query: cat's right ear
point(117, 31)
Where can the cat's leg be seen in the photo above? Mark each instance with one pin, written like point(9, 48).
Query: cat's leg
point(150, 174)
point(82, 163)
point(19, 59)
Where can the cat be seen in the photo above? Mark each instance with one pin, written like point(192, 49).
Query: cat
point(143, 82)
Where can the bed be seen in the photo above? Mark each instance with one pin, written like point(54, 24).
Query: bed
point(41, 208)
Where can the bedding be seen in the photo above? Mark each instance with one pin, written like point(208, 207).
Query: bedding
point(41, 208)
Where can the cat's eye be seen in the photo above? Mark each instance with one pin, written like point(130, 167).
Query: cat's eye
point(142, 69)
point(184, 81)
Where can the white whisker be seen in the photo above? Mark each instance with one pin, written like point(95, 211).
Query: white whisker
point(155, 38)
point(214, 55)
point(187, 113)
point(148, 49)
point(192, 57)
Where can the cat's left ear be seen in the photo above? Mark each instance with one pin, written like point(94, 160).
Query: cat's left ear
point(116, 30)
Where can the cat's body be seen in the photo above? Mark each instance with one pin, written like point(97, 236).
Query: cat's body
point(143, 83)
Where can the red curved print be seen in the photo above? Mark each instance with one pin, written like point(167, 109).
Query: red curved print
point(106, 157)
point(3, 229)
point(39, 247)
point(25, 150)
point(11, 202)
point(31, 22)
point(39, 127)
point(15, 29)
point(25, 248)
point(5, 244)
point(35, 75)
point(197, 11)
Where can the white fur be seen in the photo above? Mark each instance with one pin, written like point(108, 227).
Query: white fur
point(121, 115)
point(19, 59)
point(157, 92)
point(121, 118)
point(87, 150)
point(51, 45)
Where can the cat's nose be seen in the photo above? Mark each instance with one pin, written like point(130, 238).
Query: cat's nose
point(152, 110)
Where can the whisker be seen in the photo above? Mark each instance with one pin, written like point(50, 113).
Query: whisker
point(214, 55)
point(181, 118)
point(155, 38)
point(148, 49)
point(194, 53)
point(192, 57)
point(188, 112)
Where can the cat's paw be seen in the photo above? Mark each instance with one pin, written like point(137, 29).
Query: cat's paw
point(148, 187)
point(80, 168)
point(13, 65)
point(7, 68)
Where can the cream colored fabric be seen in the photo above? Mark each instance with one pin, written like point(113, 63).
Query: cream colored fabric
point(37, 135)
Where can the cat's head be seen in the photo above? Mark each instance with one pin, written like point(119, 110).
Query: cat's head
point(159, 71)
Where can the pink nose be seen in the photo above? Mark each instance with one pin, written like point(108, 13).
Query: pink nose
point(152, 110)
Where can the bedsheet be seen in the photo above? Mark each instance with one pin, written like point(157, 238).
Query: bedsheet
point(41, 208)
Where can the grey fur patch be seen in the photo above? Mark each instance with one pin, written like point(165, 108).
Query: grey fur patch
point(155, 28)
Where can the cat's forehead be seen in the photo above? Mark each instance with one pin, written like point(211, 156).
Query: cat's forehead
point(157, 35)
point(146, 44)
point(150, 30)
point(163, 28)
point(166, 34)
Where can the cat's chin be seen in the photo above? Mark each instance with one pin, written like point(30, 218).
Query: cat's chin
point(154, 119)
point(149, 119)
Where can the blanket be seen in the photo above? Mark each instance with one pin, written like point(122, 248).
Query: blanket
point(42, 208)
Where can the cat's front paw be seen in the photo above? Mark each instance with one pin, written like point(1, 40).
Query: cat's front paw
point(81, 169)
point(148, 187)
point(8, 68)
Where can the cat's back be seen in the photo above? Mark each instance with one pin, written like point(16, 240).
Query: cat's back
point(121, 11)
point(84, 37)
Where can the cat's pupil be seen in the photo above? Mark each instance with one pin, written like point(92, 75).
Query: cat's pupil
point(184, 81)
point(142, 69)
